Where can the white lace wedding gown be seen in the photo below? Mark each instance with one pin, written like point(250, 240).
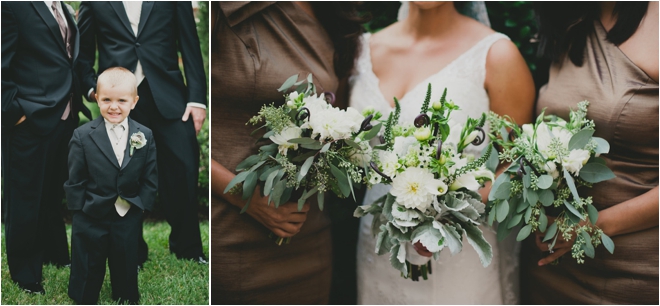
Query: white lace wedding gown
point(458, 279)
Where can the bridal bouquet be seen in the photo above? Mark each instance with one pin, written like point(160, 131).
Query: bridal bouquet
point(313, 148)
point(550, 160)
point(433, 197)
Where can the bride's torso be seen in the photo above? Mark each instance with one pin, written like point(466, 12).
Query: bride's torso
point(378, 282)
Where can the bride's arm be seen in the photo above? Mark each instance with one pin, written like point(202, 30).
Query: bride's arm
point(284, 221)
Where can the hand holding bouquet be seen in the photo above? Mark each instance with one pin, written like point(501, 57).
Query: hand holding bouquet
point(550, 160)
point(313, 148)
point(433, 199)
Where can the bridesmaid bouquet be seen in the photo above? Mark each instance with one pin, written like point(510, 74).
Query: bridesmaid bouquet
point(550, 159)
point(433, 199)
point(314, 148)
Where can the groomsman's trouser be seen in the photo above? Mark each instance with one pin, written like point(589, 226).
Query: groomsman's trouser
point(178, 170)
point(92, 241)
point(34, 172)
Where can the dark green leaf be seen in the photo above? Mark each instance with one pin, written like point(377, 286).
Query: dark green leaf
point(544, 182)
point(305, 168)
point(237, 179)
point(571, 185)
point(572, 209)
point(373, 132)
point(286, 195)
point(320, 197)
point(532, 197)
point(248, 162)
point(503, 232)
point(312, 146)
point(543, 221)
point(546, 197)
point(352, 144)
point(249, 185)
point(302, 140)
point(552, 230)
point(302, 157)
point(268, 186)
point(341, 180)
point(528, 214)
point(588, 247)
point(515, 220)
point(595, 172)
point(607, 242)
point(288, 83)
point(276, 195)
point(269, 148)
point(593, 213)
point(580, 139)
point(502, 210)
point(524, 232)
point(503, 191)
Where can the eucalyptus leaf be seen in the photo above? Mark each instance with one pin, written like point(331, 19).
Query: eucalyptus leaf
point(515, 220)
point(503, 232)
point(595, 172)
point(493, 160)
point(572, 209)
point(269, 148)
point(580, 139)
point(248, 162)
point(543, 221)
point(571, 185)
point(312, 146)
point(302, 157)
point(491, 217)
point(237, 179)
point(527, 178)
point(288, 83)
point(593, 213)
point(552, 230)
point(528, 214)
point(342, 180)
point(286, 195)
point(524, 232)
point(588, 247)
point(302, 140)
point(532, 197)
point(502, 210)
point(546, 197)
point(496, 185)
point(276, 194)
point(544, 181)
point(325, 147)
point(305, 168)
point(249, 185)
point(503, 191)
point(320, 197)
point(602, 146)
point(607, 242)
point(268, 186)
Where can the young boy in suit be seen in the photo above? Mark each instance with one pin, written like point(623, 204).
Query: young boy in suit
point(112, 180)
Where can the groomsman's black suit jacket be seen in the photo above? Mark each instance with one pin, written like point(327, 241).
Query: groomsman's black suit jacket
point(37, 79)
point(95, 177)
point(161, 25)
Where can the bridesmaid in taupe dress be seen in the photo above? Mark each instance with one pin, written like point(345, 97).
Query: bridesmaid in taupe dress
point(255, 47)
point(618, 74)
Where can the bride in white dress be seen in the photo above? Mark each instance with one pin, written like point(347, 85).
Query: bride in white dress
point(482, 71)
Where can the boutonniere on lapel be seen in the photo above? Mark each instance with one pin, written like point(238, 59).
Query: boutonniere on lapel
point(137, 142)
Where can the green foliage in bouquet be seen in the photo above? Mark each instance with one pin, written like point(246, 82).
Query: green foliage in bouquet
point(433, 199)
point(313, 148)
point(550, 159)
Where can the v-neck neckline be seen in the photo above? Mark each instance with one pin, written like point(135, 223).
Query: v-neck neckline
point(424, 81)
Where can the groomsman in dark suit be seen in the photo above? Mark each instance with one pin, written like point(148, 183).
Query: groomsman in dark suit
point(144, 37)
point(40, 104)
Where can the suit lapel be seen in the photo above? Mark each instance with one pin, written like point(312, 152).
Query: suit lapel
point(146, 10)
point(132, 129)
point(100, 137)
point(47, 16)
point(118, 6)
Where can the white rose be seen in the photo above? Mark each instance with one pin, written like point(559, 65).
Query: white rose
point(575, 160)
point(282, 138)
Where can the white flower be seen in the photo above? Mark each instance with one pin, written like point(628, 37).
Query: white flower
point(454, 133)
point(362, 156)
point(470, 137)
point(422, 133)
point(575, 160)
point(551, 168)
point(137, 141)
point(282, 139)
point(402, 144)
point(389, 163)
point(416, 188)
point(471, 179)
point(332, 123)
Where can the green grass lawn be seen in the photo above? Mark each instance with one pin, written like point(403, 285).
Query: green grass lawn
point(164, 279)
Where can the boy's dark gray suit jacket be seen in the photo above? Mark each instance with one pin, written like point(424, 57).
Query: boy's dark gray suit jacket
point(95, 177)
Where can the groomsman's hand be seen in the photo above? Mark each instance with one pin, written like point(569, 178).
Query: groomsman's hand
point(198, 116)
point(284, 221)
point(20, 120)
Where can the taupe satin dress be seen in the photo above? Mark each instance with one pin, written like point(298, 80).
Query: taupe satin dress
point(624, 106)
point(256, 46)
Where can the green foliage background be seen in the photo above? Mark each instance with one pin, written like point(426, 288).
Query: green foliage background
point(202, 19)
